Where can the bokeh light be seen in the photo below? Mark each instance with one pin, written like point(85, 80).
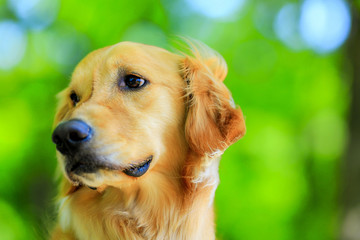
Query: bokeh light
point(13, 43)
point(321, 25)
point(324, 24)
point(216, 8)
point(286, 26)
point(35, 14)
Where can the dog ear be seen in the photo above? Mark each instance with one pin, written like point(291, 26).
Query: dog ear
point(213, 123)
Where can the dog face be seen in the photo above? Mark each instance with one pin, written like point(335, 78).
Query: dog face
point(132, 109)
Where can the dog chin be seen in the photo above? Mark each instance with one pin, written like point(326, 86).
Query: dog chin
point(92, 180)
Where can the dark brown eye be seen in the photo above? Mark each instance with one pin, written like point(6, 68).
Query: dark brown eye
point(74, 98)
point(133, 81)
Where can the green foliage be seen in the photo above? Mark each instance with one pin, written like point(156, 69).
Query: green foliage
point(279, 182)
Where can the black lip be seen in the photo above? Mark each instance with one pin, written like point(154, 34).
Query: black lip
point(86, 163)
point(139, 170)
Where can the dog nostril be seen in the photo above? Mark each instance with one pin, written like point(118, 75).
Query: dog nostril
point(78, 135)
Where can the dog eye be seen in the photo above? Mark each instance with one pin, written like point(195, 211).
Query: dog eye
point(74, 98)
point(133, 81)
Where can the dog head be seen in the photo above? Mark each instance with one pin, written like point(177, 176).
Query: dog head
point(132, 110)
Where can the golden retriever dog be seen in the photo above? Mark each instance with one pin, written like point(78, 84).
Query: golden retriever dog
point(139, 134)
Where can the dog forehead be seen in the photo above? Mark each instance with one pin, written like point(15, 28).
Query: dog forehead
point(141, 55)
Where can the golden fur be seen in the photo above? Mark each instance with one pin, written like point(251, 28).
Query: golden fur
point(185, 118)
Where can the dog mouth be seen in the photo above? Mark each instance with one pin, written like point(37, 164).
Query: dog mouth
point(86, 165)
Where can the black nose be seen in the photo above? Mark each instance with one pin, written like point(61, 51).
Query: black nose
point(71, 135)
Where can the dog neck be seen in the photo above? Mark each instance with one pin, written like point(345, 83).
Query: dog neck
point(163, 207)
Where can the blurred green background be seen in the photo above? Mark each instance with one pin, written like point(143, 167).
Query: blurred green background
point(292, 69)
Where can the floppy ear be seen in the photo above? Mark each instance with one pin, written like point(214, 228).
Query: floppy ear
point(213, 123)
